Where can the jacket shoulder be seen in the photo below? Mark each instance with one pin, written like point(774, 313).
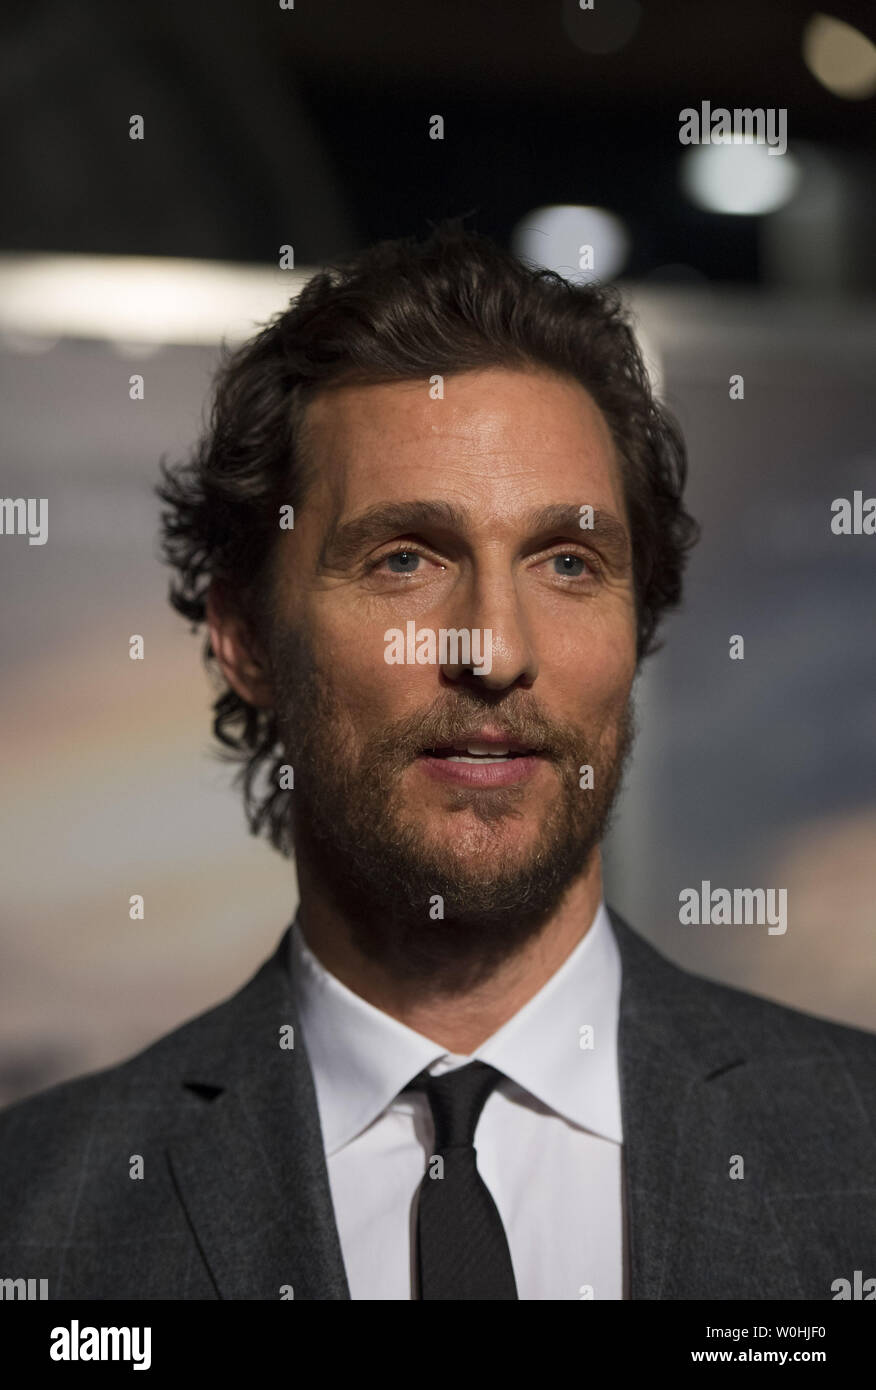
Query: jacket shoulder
point(759, 1026)
point(149, 1082)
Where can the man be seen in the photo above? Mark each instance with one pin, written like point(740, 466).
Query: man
point(431, 529)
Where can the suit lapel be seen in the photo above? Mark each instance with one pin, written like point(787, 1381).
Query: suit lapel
point(249, 1161)
point(684, 1081)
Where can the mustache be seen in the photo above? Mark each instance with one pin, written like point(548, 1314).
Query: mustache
point(447, 723)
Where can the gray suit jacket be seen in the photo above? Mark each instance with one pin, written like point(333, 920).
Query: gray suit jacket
point(235, 1200)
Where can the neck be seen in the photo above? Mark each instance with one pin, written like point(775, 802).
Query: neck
point(460, 1021)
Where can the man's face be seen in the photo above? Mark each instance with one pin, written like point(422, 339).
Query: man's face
point(461, 513)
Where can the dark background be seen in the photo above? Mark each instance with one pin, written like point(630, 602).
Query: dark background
point(312, 120)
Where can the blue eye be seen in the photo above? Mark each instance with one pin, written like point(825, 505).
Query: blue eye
point(567, 563)
point(407, 560)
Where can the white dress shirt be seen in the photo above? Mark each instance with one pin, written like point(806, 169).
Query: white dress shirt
point(549, 1138)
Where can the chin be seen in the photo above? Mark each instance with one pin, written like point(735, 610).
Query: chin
point(466, 838)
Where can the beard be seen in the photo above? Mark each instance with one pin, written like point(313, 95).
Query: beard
point(384, 873)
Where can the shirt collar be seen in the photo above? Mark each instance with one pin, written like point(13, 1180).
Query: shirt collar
point(361, 1057)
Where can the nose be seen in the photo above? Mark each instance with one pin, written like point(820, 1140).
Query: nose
point(500, 635)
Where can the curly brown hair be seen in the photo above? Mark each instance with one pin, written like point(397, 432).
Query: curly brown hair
point(401, 310)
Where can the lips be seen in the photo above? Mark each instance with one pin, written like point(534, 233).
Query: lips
point(483, 760)
point(480, 745)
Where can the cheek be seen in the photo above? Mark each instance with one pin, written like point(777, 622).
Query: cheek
point(350, 634)
point(370, 691)
point(591, 672)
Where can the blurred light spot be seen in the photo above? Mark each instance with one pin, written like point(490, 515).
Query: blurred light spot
point(740, 179)
point(605, 28)
point(580, 243)
point(841, 58)
point(139, 299)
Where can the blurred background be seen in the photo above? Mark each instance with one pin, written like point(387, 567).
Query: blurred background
point(310, 126)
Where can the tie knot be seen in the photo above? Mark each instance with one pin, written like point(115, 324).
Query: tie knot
point(457, 1099)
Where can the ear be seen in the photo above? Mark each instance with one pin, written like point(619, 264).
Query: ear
point(240, 657)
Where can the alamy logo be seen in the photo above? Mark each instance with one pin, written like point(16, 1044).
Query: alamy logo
point(853, 518)
point(75, 1343)
point(743, 125)
point(24, 1289)
point(449, 646)
point(741, 907)
point(25, 516)
point(858, 1288)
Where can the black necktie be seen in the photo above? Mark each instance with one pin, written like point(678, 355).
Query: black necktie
point(462, 1250)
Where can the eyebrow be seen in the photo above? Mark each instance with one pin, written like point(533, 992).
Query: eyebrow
point(609, 533)
point(344, 540)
